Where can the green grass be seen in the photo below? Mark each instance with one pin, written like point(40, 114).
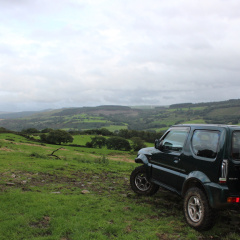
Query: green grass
point(81, 139)
point(201, 121)
point(230, 111)
point(113, 128)
point(186, 109)
point(42, 197)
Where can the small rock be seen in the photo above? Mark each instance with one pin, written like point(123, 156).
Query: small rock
point(24, 181)
point(85, 192)
point(56, 192)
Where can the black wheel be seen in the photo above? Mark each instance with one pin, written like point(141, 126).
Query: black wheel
point(140, 184)
point(198, 213)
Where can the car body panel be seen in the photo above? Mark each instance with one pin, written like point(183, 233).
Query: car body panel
point(177, 165)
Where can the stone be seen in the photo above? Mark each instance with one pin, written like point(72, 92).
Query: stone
point(85, 192)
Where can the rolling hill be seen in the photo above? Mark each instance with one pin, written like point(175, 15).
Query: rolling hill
point(114, 118)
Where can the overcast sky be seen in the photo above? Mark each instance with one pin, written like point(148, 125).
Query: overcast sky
point(74, 53)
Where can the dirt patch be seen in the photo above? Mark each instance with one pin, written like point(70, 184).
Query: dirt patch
point(43, 223)
point(120, 158)
point(98, 183)
point(6, 149)
point(27, 144)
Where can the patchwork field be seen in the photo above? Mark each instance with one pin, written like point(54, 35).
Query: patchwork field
point(115, 118)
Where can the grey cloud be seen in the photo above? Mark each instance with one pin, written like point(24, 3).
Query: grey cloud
point(79, 53)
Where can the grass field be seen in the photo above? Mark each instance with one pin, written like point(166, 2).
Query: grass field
point(84, 193)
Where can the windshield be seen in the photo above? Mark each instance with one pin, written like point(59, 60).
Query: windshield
point(236, 145)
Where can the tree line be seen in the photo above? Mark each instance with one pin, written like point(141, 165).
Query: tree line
point(124, 139)
point(116, 143)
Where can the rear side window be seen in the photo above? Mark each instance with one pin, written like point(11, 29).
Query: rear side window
point(205, 143)
point(236, 145)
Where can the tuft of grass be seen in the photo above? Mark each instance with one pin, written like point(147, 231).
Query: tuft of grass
point(38, 155)
point(102, 160)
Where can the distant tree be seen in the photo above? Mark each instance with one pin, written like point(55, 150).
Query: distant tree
point(46, 130)
point(235, 121)
point(4, 130)
point(97, 142)
point(75, 132)
point(102, 131)
point(124, 133)
point(57, 137)
point(118, 143)
point(137, 143)
point(30, 130)
point(105, 132)
point(43, 137)
point(89, 145)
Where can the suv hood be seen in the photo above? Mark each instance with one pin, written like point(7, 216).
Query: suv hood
point(148, 151)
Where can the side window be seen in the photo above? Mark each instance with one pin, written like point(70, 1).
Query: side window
point(175, 139)
point(236, 145)
point(205, 143)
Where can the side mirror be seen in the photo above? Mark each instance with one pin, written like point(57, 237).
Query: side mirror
point(168, 146)
point(157, 143)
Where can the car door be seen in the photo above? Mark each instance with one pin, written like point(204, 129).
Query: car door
point(167, 164)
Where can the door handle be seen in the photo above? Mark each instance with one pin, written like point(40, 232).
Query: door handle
point(176, 160)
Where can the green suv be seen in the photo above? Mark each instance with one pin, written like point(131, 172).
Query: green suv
point(201, 163)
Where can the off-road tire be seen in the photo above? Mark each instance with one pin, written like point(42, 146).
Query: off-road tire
point(198, 213)
point(140, 184)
